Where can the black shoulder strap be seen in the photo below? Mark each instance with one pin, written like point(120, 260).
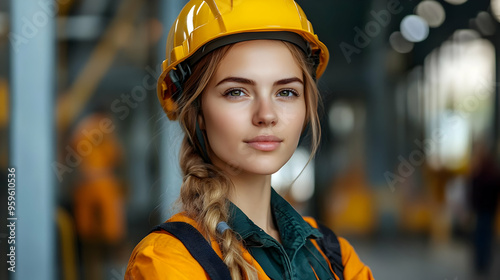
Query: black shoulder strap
point(330, 245)
point(199, 248)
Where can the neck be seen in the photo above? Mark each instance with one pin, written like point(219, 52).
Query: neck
point(252, 194)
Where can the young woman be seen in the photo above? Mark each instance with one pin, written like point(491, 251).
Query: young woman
point(240, 78)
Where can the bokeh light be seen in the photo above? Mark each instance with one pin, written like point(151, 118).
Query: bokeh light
point(399, 43)
point(341, 118)
point(456, 2)
point(296, 176)
point(485, 23)
point(432, 12)
point(414, 28)
point(495, 9)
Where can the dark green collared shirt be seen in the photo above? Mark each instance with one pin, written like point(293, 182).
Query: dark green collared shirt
point(296, 257)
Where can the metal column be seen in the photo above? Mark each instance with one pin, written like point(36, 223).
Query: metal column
point(32, 41)
point(171, 138)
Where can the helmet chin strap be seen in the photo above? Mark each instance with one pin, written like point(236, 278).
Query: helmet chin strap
point(178, 76)
point(201, 140)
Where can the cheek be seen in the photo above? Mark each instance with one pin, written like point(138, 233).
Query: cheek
point(295, 119)
point(222, 125)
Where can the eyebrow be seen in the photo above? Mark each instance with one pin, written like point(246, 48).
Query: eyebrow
point(288, 81)
point(237, 80)
point(252, 82)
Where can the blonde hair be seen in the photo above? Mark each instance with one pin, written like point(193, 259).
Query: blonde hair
point(205, 187)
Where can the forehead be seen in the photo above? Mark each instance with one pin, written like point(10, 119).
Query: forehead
point(259, 59)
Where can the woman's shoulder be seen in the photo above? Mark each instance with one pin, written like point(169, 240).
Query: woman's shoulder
point(160, 255)
point(354, 268)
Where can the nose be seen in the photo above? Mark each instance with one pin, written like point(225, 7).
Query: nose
point(265, 113)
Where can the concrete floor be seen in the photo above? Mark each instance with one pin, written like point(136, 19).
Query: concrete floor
point(413, 259)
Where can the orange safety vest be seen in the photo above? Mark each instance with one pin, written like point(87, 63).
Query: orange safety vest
point(162, 256)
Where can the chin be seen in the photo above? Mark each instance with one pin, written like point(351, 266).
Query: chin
point(263, 171)
point(252, 164)
point(262, 167)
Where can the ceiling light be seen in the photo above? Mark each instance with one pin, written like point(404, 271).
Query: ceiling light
point(399, 43)
point(456, 2)
point(414, 28)
point(432, 12)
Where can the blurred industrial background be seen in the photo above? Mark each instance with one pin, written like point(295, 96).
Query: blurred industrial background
point(408, 169)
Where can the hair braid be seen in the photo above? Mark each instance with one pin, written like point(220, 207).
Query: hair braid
point(204, 198)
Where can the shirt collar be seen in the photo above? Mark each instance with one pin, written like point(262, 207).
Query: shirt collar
point(293, 229)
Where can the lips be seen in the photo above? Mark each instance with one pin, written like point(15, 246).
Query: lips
point(265, 143)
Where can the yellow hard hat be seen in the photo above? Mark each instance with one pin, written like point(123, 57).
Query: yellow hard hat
point(204, 25)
